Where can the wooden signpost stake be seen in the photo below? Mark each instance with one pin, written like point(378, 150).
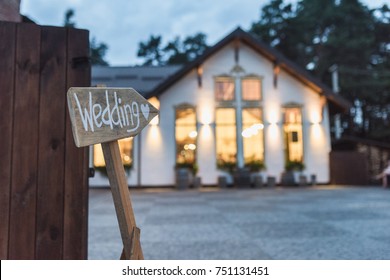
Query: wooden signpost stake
point(104, 115)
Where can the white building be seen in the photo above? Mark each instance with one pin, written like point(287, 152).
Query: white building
point(240, 104)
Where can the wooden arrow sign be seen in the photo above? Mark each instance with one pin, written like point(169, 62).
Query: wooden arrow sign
point(104, 115)
point(100, 115)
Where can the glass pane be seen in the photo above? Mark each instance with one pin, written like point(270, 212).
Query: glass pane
point(226, 136)
point(251, 89)
point(98, 159)
point(126, 150)
point(252, 133)
point(292, 115)
point(224, 90)
point(293, 134)
point(186, 135)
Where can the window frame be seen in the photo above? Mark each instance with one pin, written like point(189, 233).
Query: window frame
point(239, 104)
point(299, 107)
point(249, 102)
point(263, 132)
point(215, 131)
point(185, 106)
point(224, 78)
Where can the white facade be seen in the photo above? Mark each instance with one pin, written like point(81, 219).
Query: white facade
point(154, 162)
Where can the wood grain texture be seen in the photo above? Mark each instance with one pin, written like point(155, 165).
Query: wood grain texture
point(101, 115)
point(51, 144)
point(48, 220)
point(122, 200)
point(25, 143)
point(7, 69)
point(76, 159)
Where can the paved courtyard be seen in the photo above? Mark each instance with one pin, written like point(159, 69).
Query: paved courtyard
point(324, 222)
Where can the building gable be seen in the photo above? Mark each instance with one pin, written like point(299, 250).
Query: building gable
point(238, 38)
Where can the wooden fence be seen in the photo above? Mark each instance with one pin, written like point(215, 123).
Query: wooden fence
point(348, 168)
point(43, 176)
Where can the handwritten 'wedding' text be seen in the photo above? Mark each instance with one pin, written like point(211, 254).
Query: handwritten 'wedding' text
point(112, 115)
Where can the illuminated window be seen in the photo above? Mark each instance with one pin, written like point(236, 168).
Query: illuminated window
point(126, 150)
point(252, 133)
point(226, 136)
point(224, 89)
point(293, 134)
point(239, 127)
point(186, 135)
point(251, 89)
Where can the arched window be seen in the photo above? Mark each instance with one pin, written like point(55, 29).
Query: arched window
point(185, 135)
point(293, 137)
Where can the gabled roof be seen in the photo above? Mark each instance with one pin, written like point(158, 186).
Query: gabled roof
point(268, 52)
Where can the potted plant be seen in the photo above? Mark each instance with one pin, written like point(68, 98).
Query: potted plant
point(185, 171)
point(227, 166)
point(256, 167)
point(292, 171)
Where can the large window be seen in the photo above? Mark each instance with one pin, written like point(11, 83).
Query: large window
point(226, 136)
point(239, 126)
point(252, 133)
point(186, 135)
point(126, 150)
point(224, 89)
point(293, 134)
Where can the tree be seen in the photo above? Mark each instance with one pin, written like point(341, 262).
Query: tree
point(97, 50)
point(175, 51)
point(68, 22)
point(195, 46)
point(151, 51)
point(317, 34)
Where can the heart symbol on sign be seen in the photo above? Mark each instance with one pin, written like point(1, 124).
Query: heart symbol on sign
point(145, 110)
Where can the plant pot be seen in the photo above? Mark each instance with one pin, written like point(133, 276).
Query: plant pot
point(271, 181)
point(242, 177)
point(257, 181)
point(288, 178)
point(197, 182)
point(183, 178)
point(222, 182)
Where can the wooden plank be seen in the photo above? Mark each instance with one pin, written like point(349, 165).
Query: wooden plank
point(25, 142)
point(7, 71)
point(104, 114)
point(122, 201)
point(76, 159)
point(50, 200)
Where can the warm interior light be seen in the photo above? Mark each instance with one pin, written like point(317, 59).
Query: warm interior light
point(193, 134)
point(192, 147)
point(252, 130)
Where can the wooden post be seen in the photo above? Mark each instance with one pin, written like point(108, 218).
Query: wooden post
point(121, 195)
